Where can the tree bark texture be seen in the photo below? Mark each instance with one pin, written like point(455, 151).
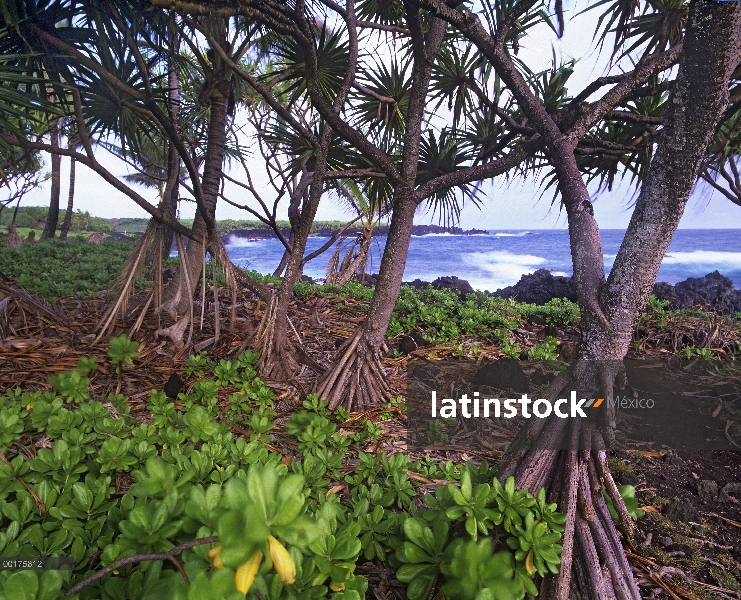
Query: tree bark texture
point(52, 217)
point(204, 225)
point(67, 222)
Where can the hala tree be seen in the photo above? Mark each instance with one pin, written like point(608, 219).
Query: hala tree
point(593, 565)
point(110, 66)
point(490, 133)
point(378, 139)
point(303, 153)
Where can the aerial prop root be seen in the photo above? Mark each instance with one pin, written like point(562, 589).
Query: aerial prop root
point(279, 356)
point(357, 380)
point(568, 458)
point(151, 245)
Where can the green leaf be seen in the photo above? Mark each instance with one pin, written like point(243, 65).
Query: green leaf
point(21, 585)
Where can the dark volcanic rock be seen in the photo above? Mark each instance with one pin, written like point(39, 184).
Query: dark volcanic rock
point(173, 386)
point(382, 230)
point(409, 343)
point(712, 292)
point(730, 489)
point(443, 283)
point(264, 232)
point(707, 489)
point(683, 511)
point(539, 288)
point(453, 283)
point(418, 284)
point(502, 375)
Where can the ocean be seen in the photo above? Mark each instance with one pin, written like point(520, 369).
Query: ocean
point(490, 262)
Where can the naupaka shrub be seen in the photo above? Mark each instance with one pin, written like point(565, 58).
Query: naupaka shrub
point(209, 515)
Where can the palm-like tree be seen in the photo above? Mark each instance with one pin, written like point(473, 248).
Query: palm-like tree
point(112, 63)
point(344, 267)
point(601, 139)
point(67, 222)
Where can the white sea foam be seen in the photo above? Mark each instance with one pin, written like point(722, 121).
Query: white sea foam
point(705, 260)
point(711, 258)
point(448, 234)
point(518, 234)
point(235, 241)
point(505, 268)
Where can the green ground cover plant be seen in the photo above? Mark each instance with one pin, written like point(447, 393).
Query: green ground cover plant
point(210, 516)
point(52, 269)
point(34, 217)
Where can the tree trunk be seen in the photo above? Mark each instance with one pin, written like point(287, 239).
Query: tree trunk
point(294, 218)
point(341, 271)
point(356, 380)
point(286, 256)
point(712, 50)
point(593, 564)
point(70, 202)
point(277, 355)
point(203, 226)
point(52, 217)
point(172, 187)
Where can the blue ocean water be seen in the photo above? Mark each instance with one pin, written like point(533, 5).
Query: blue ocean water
point(493, 261)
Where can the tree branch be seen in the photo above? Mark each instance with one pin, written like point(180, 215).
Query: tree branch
point(480, 172)
point(110, 178)
point(264, 91)
point(331, 241)
point(332, 116)
point(624, 115)
point(635, 79)
point(169, 555)
point(274, 19)
point(707, 177)
point(364, 24)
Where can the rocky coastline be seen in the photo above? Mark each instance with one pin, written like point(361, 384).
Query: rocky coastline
point(265, 232)
point(713, 292)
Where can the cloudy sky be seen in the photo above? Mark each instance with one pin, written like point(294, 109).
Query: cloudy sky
point(515, 206)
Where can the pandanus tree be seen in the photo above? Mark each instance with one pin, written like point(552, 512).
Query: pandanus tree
point(112, 62)
point(351, 259)
point(592, 563)
point(391, 102)
point(302, 158)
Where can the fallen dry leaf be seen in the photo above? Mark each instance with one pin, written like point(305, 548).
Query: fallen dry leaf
point(334, 489)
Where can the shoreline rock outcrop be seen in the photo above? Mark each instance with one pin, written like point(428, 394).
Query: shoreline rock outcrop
point(713, 292)
point(265, 232)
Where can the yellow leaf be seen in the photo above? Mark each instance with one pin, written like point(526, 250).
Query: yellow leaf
point(529, 566)
point(284, 565)
point(245, 575)
point(215, 553)
point(337, 586)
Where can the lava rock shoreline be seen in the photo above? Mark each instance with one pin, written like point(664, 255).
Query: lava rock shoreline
point(265, 232)
point(713, 292)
